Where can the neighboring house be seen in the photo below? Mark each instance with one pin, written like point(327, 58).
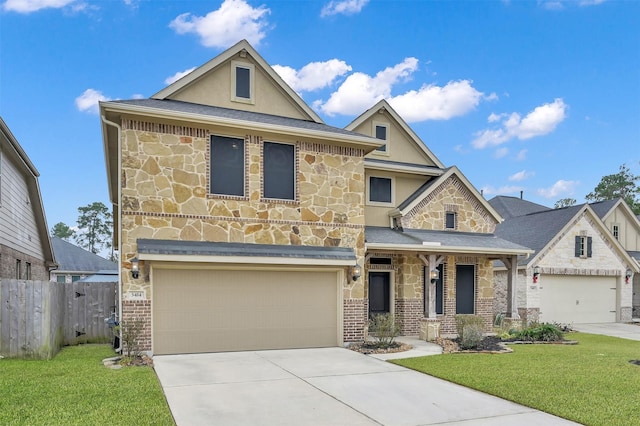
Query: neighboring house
point(578, 272)
point(244, 222)
point(25, 247)
point(76, 264)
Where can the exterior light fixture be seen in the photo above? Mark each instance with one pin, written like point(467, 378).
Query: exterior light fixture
point(355, 272)
point(536, 274)
point(434, 275)
point(628, 275)
point(135, 268)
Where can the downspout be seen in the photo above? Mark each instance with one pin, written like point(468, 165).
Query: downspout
point(119, 128)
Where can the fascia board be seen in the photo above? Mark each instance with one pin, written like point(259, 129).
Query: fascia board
point(400, 168)
point(446, 249)
point(257, 260)
point(366, 142)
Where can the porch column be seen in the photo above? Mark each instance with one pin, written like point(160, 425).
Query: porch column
point(431, 262)
point(512, 278)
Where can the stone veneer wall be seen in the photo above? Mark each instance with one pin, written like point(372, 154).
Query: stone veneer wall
point(8, 257)
point(165, 195)
point(450, 196)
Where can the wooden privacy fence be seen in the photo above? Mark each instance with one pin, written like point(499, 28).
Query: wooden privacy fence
point(37, 318)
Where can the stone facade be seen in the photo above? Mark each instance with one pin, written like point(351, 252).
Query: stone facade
point(165, 195)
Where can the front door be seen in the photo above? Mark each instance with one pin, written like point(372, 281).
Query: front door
point(379, 293)
point(465, 289)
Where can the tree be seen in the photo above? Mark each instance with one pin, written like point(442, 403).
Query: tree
point(620, 185)
point(61, 230)
point(564, 202)
point(94, 227)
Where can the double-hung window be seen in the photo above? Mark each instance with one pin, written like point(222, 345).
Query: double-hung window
point(242, 82)
point(380, 190)
point(279, 169)
point(227, 166)
point(381, 131)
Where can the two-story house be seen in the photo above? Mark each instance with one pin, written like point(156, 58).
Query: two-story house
point(245, 222)
point(25, 247)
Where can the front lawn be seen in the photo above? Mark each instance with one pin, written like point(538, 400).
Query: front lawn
point(592, 382)
point(74, 388)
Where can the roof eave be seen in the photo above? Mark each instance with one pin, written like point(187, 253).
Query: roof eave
point(447, 249)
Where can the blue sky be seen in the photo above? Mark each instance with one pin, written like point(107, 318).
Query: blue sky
point(538, 96)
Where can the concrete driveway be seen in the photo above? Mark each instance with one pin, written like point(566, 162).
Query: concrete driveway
point(613, 329)
point(327, 386)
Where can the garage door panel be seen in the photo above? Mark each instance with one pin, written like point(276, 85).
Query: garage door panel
point(222, 310)
point(578, 299)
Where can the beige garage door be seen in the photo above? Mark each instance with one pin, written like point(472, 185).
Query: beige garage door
point(223, 310)
point(577, 299)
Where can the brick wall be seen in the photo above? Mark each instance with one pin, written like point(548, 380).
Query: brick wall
point(409, 312)
point(133, 310)
point(354, 319)
point(8, 257)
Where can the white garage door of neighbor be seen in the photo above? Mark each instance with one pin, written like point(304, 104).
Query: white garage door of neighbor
point(571, 299)
point(233, 310)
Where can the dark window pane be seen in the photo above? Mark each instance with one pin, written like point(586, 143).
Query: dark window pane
point(380, 190)
point(381, 132)
point(380, 261)
point(243, 83)
point(279, 171)
point(451, 220)
point(227, 166)
point(61, 279)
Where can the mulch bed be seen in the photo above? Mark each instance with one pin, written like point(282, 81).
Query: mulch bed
point(368, 348)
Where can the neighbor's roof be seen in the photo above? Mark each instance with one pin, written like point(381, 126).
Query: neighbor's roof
point(509, 207)
point(169, 250)
point(72, 258)
point(101, 277)
point(440, 241)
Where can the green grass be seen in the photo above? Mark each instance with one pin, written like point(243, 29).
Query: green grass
point(592, 383)
point(74, 388)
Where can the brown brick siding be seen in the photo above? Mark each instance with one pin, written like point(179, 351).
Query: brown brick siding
point(409, 312)
point(8, 257)
point(133, 310)
point(354, 319)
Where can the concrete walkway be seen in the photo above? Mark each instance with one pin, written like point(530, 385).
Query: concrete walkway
point(613, 329)
point(325, 386)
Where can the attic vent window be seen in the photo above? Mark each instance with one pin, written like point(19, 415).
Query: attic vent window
point(242, 82)
point(381, 131)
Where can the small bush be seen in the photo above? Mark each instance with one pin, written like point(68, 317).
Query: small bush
point(471, 337)
point(131, 332)
point(464, 320)
point(541, 333)
point(384, 328)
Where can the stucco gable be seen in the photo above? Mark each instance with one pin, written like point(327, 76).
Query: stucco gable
point(211, 84)
point(403, 144)
point(451, 192)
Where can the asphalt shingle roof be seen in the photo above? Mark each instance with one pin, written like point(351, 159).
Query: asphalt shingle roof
point(256, 117)
point(73, 258)
point(601, 208)
point(509, 207)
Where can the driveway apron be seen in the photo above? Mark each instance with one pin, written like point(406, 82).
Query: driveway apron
point(613, 329)
point(326, 386)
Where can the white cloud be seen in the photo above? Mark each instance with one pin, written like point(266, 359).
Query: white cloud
point(344, 7)
point(541, 121)
point(521, 175)
point(521, 155)
point(177, 76)
point(432, 102)
point(234, 20)
point(490, 190)
point(560, 188)
point(314, 75)
point(88, 101)
point(359, 91)
point(28, 6)
point(501, 152)
point(137, 96)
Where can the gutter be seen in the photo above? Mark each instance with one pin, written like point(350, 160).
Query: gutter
point(437, 247)
point(119, 231)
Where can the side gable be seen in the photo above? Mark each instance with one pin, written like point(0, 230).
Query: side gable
point(449, 193)
point(212, 84)
point(620, 220)
point(403, 146)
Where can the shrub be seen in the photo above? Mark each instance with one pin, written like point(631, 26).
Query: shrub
point(384, 328)
point(471, 337)
point(464, 320)
point(131, 331)
point(541, 333)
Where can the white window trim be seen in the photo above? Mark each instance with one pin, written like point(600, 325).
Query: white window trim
point(251, 68)
point(615, 229)
point(378, 203)
point(455, 220)
point(375, 124)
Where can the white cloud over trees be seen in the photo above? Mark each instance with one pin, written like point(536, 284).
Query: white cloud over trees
point(561, 187)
